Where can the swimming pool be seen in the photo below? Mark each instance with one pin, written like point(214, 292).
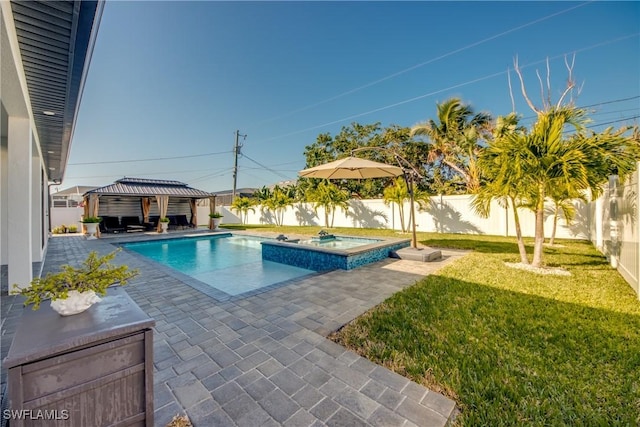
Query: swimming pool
point(232, 264)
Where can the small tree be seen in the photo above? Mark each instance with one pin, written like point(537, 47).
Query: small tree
point(278, 202)
point(562, 197)
point(243, 205)
point(397, 194)
point(500, 164)
point(528, 167)
point(329, 197)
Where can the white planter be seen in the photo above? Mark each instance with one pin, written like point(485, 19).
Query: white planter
point(92, 228)
point(75, 303)
point(164, 226)
point(216, 223)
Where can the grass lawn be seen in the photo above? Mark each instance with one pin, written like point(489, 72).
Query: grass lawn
point(511, 347)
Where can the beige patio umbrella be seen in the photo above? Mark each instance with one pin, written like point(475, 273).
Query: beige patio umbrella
point(356, 168)
point(352, 168)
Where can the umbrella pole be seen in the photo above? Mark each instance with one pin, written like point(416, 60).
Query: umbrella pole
point(414, 238)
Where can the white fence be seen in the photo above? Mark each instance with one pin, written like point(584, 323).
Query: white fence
point(618, 236)
point(445, 214)
point(66, 216)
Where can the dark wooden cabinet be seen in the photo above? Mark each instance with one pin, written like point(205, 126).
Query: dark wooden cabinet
point(90, 369)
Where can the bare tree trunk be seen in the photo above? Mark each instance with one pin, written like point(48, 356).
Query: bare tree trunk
point(555, 225)
point(326, 217)
point(465, 175)
point(401, 215)
point(539, 239)
point(521, 248)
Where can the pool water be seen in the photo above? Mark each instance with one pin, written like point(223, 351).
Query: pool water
point(231, 264)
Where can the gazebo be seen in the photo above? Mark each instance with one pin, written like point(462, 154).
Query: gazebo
point(131, 197)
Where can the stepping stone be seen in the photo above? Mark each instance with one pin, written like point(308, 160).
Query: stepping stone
point(420, 254)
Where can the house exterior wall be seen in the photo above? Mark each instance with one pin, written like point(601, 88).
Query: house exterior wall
point(23, 233)
point(4, 201)
point(20, 191)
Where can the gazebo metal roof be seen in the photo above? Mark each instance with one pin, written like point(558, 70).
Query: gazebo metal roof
point(142, 187)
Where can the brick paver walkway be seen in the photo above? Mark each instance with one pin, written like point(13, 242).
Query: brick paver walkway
point(264, 360)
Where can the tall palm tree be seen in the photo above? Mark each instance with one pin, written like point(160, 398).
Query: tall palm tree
point(506, 181)
point(454, 139)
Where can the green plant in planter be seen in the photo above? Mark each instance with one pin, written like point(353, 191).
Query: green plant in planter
point(164, 219)
point(215, 215)
point(72, 228)
point(91, 219)
point(94, 274)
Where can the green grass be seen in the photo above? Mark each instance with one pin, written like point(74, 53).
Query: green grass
point(511, 347)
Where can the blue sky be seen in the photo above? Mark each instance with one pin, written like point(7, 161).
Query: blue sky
point(173, 81)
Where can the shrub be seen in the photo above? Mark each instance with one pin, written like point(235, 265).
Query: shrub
point(91, 219)
point(95, 274)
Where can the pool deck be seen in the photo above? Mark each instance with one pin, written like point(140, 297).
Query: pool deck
point(264, 359)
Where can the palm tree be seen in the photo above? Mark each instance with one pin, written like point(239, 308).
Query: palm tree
point(528, 168)
point(243, 205)
point(278, 202)
point(261, 196)
point(562, 197)
point(397, 194)
point(328, 196)
point(500, 164)
point(455, 139)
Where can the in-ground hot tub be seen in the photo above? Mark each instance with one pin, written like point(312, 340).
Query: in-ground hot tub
point(331, 252)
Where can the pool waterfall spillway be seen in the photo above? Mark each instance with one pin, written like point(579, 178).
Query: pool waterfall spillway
point(325, 252)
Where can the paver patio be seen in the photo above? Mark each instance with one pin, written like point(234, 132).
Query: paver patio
point(263, 359)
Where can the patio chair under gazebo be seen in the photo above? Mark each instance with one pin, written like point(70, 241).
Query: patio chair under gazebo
point(145, 199)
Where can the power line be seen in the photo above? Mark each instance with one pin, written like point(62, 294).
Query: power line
point(211, 175)
point(406, 101)
point(146, 173)
point(266, 167)
point(626, 119)
point(422, 64)
point(613, 101)
point(149, 159)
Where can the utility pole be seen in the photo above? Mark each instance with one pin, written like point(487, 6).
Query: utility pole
point(236, 153)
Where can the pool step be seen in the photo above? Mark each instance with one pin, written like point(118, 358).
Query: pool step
point(420, 254)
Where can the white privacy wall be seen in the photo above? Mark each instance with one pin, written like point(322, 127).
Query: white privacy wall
point(66, 216)
point(446, 214)
point(627, 252)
